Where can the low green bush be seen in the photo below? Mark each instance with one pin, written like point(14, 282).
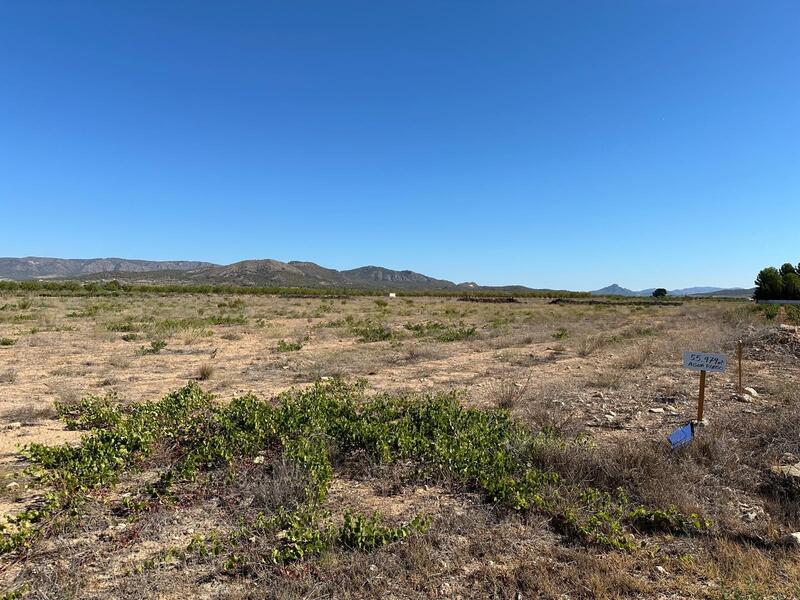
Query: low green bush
point(314, 429)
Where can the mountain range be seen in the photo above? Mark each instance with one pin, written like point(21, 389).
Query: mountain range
point(269, 272)
point(617, 290)
point(36, 267)
point(265, 272)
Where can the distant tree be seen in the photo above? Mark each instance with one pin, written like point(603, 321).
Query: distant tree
point(788, 268)
point(659, 292)
point(769, 284)
point(791, 286)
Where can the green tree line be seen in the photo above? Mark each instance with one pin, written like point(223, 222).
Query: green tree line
point(778, 284)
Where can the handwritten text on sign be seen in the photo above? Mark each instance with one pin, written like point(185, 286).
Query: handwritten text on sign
point(704, 361)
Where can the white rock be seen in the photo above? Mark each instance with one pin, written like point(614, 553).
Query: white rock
point(14, 425)
point(750, 391)
point(657, 410)
point(788, 470)
point(661, 570)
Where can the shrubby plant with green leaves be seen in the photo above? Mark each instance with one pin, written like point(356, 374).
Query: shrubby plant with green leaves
point(314, 429)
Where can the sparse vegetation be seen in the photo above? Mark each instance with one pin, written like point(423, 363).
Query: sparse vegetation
point(369, 331)
point(184, 496)
point(441, 331)
point(205, 372)
point(485, 450)
point(155, 347)
point(284, 346)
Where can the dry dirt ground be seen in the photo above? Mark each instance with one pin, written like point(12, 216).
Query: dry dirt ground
point(611, 373)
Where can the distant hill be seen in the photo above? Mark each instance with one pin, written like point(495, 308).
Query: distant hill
point(36, 267)
point(617, 290)
point(264, 272)
point(614, 290)
point(729, 293)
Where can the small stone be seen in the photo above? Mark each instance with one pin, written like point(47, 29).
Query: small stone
point(258, 460)
point(750, 391)
point(657, 410)
point(14, 425)
point(373, 568)
point(787, 470)
point(12, 485)
point(661, 570)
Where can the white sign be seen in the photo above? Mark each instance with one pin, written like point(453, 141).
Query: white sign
point(704, 361)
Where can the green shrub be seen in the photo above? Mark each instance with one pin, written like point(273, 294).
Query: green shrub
point(369, 331)
point(284, 346)
point(770, 311)
point(483, 450)
point(155, 347)
point(122, 327)
point(441, 331)
point(792, 313)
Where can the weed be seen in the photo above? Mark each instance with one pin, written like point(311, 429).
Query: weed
point(441, 331)
point(7, 341)
point(284, 346)
point(155, 347)
point(369, 331)
point(770, 311)
point(792, 313)
point(638, 357)
point(508, 394)
point(122, 327)
point(560, 334)
point(205, 372)
point(483, 450)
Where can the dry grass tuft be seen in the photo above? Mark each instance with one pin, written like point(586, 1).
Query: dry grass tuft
point(205, 372)
point(509, 394)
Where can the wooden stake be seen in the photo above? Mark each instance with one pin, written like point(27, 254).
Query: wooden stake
point(701, 399)
point(739, 358)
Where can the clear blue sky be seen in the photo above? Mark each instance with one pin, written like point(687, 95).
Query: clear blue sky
point(553, 144)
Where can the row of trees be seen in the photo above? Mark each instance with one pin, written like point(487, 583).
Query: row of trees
point(778, 284)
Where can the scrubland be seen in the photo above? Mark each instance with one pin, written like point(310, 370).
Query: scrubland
point(204, 445)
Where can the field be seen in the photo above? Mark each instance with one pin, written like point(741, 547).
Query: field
point(210, 445)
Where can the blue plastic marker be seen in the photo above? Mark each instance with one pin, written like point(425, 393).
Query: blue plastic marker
point(681, 436)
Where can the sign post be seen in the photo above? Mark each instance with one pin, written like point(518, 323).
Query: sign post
point(703, 362)
point(740, 389)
